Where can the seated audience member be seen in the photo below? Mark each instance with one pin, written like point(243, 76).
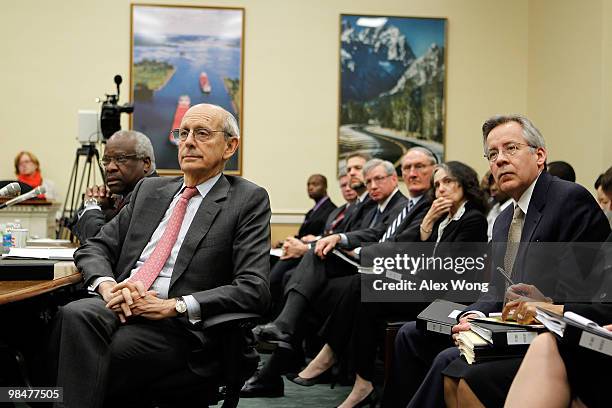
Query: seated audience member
point(183, 251)
point(603, 187)
point(563, 170)
point(267, 382)
point(545, 209)
point(294, 248)
point(27, 169)
point(127, 159)
point(314, 221)
point(602, 198)
point(315, 269)
point(549, 369)
point(456, 215)
point(500, 201)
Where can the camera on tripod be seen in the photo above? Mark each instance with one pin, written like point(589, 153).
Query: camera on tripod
point(110, 117)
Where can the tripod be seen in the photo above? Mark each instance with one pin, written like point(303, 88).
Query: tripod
point(74, 196)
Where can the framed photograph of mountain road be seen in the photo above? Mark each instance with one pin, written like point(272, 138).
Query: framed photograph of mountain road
point(182, 56)
point(392, 85)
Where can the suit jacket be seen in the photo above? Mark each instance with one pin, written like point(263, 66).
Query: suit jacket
point(374, 233)
point(327, 229)
point(224, 259)
point(559, 211)
point(314, 222)
point(358, 213)
point(91, 221)
point(407, 231)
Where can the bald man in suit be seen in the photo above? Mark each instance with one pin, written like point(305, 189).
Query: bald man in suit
point(185, 252)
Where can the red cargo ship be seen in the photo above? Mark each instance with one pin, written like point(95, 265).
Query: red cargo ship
point(184, 102)
point(205, 83)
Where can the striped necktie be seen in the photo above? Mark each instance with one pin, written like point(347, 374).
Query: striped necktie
point(397, 221)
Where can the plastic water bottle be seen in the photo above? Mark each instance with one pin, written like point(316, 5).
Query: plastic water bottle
point(7, 238)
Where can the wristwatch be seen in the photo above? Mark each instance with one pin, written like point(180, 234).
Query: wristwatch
point(180, 306)
point(91, 201)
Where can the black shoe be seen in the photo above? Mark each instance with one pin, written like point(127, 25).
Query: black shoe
point(325, 376)
point(260, 387)
point(270, 333)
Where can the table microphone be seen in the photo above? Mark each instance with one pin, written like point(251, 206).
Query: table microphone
point(30, 194)
point(11, 189)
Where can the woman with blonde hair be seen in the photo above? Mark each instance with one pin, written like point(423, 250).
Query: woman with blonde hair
point(27, 169)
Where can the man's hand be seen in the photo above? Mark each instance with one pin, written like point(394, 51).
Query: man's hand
point(524, 312)
point(293, 248)
point(153, 308)
point(325, 245)
point(121, 296)
point(308, 238)
point(525, 291)
point(464, 325)
point(100, 193)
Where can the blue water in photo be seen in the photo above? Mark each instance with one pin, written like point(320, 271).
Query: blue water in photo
point(190, 56)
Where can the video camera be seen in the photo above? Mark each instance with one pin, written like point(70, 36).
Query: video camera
point(110, 117)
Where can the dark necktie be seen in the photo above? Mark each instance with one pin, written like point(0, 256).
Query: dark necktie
point(376, 217)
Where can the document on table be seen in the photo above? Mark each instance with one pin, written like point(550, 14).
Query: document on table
point(61, 254)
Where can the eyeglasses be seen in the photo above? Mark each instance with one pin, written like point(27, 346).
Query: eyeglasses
point(419, 168)
point(509, 150)
point(200, 134)
point(120, 159)
point(376, 179)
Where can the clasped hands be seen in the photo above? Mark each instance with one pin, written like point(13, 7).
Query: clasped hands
point(131, 299)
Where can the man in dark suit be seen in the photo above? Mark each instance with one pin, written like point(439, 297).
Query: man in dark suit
point(314, 269)
point(294, 248)
point(361, 214)
point(315, 218)
point(545, 209)
point(183, 252)
point(127, 159)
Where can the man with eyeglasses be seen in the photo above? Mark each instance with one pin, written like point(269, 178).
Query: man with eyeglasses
point(186, 253)
point(128, 157)
point(545, 209)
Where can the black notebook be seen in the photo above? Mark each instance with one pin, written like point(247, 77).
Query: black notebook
point(26, 269)
point(575, 329)
point(440, 316)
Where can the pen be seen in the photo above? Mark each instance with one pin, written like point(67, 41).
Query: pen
point(505, 275)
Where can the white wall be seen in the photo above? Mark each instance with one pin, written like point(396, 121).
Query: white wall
point(58, 56)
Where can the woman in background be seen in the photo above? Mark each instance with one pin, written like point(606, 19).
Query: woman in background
point(27, 169)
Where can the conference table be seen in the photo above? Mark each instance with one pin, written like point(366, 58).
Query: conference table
point(26, 308)
point(65, 274)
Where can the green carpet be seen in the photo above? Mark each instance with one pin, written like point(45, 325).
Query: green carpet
point(319, 396)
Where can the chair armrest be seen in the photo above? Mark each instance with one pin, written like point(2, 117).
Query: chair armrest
point(229, 317)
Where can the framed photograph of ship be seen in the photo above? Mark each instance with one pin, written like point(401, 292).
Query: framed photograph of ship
point(182, 56)
point(392, 85)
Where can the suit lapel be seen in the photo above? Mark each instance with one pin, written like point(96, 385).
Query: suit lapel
point(533, 217)
point(204, 218)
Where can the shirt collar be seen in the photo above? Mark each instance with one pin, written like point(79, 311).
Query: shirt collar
point(205, 187)
point(381, 207)
point(415, 200)
point(525, 199)
point(363, 196)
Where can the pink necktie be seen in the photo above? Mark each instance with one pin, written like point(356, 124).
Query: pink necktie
point(153, 265)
